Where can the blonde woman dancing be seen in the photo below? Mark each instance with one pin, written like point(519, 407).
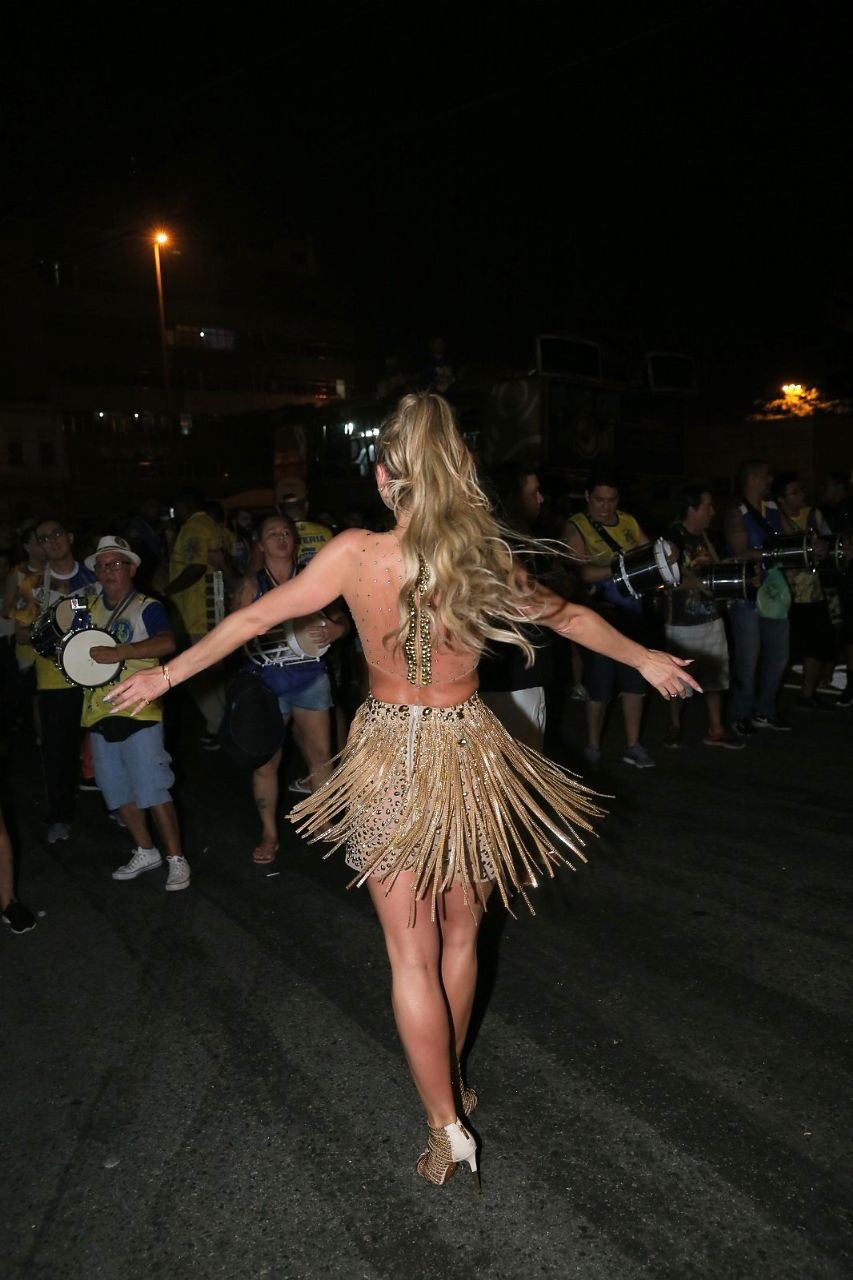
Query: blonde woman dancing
point(435, 803)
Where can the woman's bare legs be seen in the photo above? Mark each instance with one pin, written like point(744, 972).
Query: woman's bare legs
point(265, 791)
point(425, 1009)
point(312, 731)
point(459, 930)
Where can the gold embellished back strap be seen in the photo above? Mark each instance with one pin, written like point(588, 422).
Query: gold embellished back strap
point(418, 647)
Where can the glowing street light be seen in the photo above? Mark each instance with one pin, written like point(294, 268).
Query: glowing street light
point(160, 238)
point(797, 401)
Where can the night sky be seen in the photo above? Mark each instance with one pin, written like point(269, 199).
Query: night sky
point(672, 174)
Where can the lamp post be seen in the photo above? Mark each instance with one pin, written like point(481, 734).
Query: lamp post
point(160, 237)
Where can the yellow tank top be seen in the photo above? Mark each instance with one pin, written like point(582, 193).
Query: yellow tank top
point(625, 532)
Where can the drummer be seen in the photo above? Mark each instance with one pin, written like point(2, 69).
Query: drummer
point(813, 641)
point(761, 643)
point(596, 535)
point(132, 766)
point(694, 626)
point(59, 703)
point(302, 686)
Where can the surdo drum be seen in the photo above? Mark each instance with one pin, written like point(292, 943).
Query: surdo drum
point(839, 553)
point(645, 569)
point(289, 642)
point(791, 551)
point(75, 661)
point(727, 580)
point(300, 641)
point(55, 622)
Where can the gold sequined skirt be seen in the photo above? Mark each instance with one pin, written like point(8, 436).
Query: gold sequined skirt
point(447, 793)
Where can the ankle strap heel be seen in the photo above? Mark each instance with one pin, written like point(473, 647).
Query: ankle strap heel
point(468, 1096)
point(447, 1146)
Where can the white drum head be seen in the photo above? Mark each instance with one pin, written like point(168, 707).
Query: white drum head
point(670, 573)
point(64, 612)
point(299, 640)
point(75, 663)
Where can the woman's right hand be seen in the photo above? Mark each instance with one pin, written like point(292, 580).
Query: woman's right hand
point(667, 674)
point(136, 691)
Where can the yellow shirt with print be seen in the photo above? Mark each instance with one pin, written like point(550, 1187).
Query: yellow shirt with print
point(25, 611)
point(804, 583)
point(197, 537)
point(312, 538)
point(625, 532)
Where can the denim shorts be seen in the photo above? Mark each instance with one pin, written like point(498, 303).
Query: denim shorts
point(317, 696)
point(137, 771)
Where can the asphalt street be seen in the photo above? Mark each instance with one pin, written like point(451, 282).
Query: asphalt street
point(209, 1084)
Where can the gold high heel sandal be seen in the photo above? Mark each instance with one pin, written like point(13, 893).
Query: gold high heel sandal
point(468, 1096)
point(448, 1146)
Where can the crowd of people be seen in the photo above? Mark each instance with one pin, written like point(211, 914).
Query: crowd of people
point(164, 582)
point(376, 644)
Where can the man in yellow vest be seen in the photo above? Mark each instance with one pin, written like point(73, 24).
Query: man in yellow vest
point(597, 534)
point(132, 766)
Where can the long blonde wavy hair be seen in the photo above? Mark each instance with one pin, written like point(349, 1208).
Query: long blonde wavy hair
point(476, 591)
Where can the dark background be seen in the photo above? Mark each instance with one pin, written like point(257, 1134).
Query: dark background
point(672, 174)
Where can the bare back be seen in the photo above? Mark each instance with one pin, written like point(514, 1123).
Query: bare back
point(429, 674)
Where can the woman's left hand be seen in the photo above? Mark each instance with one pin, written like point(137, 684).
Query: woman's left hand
point(138, 690)
point(667, 674)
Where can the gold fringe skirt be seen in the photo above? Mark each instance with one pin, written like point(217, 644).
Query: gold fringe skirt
point(447, 793)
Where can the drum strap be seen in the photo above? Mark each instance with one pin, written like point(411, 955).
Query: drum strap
point(43, 594)
point(601, 530)
point(760, 520)
point(119, 610)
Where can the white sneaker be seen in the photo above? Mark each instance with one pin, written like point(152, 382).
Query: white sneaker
point(141, 860)
point(179, 873)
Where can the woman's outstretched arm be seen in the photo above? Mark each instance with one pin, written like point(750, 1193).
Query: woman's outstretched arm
point(663, 671)
point(322, 581)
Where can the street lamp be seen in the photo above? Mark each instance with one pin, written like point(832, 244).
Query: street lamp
point(160, 237)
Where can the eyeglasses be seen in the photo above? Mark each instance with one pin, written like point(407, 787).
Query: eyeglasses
point(104, 566)
point(53, 536)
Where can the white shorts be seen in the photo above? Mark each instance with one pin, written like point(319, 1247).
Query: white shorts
point(706, 643)
point(521, 712)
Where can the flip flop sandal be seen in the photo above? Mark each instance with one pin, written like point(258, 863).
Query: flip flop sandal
point(266, 851)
